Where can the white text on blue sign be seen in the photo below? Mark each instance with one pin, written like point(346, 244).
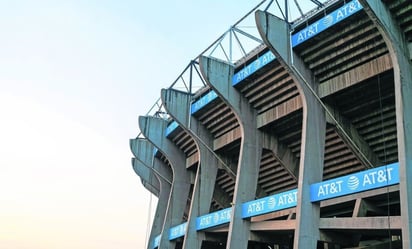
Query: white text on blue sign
point(326, 22)
point(354, 183)
point(156, 241)
point(269, 204)
point(203, 101)
point(177, 231)
point(254, 66)
point(214, 219)
point(171, 127)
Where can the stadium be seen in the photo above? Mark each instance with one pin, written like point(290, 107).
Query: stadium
point(301, 138)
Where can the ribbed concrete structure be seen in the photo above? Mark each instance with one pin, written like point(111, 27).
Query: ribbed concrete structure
point(304, 142)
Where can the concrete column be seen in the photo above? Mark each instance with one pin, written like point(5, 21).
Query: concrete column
point(276, 35)
point(402, 68)
point(153, 129)
point(219, 76)
point(143, 151)
point(178, 104)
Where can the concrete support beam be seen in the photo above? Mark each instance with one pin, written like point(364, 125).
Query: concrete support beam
point(351, 137)
point(153, 129)
point(178, 104)
point(360, 209)
point(274, 225)
point(363, 206)
point(361, 223)
point(283, 155)
point(278, 215)
point(221, 197)
point(361, 195)
point(143, 151)
point(276, 34)
point(219, 76)
point(402, 65)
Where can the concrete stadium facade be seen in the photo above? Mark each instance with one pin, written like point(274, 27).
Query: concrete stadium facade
point(305, 142)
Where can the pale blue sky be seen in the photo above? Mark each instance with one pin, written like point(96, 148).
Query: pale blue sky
point(74, 77)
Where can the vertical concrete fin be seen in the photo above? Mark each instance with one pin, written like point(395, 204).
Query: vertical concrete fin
point(177, 104)
point(143, 151)
point(162, 204)
point(154, 130)
point(387, 26)
point(219, 75)
point(279, 38)
point(402, 65)
point(313, 129)
point(279, 41)
point(300, 72)
point(347, 130)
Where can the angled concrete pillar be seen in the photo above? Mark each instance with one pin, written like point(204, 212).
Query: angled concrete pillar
point(275, 33)
point(219, 76)
point(153, 129)
point(402, 68)
point(143, 151)
point(178, 104)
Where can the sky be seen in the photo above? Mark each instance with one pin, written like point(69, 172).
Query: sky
point(74, 77)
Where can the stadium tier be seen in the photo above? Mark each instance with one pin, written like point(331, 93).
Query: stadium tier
point(303, 142)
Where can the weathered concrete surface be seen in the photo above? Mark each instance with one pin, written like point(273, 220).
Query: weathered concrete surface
point(219, 76)
point(178, 105)
point(143, 151)
point(153, 129)
point(275, 33)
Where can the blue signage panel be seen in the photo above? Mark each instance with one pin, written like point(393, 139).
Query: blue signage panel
point(213, 219)
point(177, 231)
point(254, 66)
point(326, 22)
point(156, 241)
point(269, 204)
point(203, 101)
point(354, 183)
point(171, 127)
